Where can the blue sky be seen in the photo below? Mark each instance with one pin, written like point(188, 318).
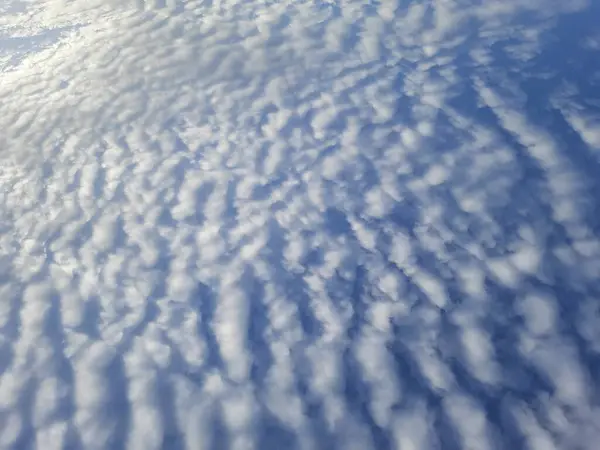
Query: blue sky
point(299, 224)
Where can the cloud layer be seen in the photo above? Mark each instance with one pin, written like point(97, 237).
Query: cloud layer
point(267, 225)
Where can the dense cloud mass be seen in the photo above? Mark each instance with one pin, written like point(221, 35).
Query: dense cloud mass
point(324, 224)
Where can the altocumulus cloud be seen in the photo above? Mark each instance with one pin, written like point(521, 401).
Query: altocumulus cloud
point(299, 224)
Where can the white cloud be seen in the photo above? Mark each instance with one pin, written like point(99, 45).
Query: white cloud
point(295, 224)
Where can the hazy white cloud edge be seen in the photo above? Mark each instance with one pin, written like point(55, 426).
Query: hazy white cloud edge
point(299, 224)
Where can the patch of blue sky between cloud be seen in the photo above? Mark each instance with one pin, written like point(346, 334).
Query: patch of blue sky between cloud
point(268, 224)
